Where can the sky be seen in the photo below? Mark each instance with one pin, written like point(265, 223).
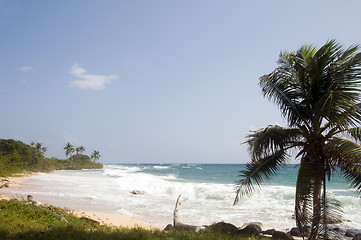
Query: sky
point(152, 81)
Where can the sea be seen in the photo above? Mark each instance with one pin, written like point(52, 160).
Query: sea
point(210, 189)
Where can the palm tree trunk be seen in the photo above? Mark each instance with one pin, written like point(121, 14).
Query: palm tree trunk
point(316, 218)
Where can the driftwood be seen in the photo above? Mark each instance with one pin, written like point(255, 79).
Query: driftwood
point(177, 224)
point(176, 216)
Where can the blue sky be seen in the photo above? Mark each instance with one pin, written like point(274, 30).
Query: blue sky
point(152, 81)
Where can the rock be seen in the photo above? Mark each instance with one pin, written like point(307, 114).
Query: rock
point(137, 192)
point(257, 223)
point(224, 228)
point(32, 201)
point(269, 232)
point(282, 236)
point(352, 232)
point(357, 237)
point(30, 198)
point(168, 227)
point(251, 229)
point(186, 227)
point(295, 232)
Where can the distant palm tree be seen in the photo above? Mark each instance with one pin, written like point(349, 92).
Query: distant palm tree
point(69, 149)
point(82, 149)
point(77, 150)
point(318, 93)
point(95, 156)
point(39, 148)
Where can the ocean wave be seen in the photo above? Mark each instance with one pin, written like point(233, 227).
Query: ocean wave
point(169, 177)
point(161, 167)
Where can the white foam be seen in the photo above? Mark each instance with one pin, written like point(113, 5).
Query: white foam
point(161, 167)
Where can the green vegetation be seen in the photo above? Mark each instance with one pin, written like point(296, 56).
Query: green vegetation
point(18, 157)
point(26, 221)
point(318, 93)
point(95, 156)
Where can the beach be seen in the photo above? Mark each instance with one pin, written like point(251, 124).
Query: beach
point(116, 220)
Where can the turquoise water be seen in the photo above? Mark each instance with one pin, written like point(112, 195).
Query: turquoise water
point(227, 174)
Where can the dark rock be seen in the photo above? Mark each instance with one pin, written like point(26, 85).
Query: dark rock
point(257, 223)
point(357, 237)
point(186, 227)
point(352, 232)
point(30, 198)
point(224, 228)
point(269, 232)
point(295, 232)
point(282, 236)
point(168, 227)
point(250, 230)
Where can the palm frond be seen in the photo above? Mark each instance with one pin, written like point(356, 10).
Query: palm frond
point(332, 214)
point(355, 133)
point(303, 199)
point(346, 155)
point(257, 172)
point(271, 139)
point(277, 86)
point(340, 149)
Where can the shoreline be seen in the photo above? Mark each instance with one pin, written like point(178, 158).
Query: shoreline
point(113, 220)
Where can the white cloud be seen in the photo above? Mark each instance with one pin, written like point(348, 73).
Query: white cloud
point(89, 81)
point(26, 68)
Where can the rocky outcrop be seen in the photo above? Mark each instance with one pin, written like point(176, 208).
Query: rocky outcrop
point(252, 229)
point(168, 227)
point(224, 227)
point(269, 232)
point(281, 236)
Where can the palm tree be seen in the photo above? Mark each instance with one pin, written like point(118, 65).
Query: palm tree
point(95, 156)
point(318, 93)
point(77, 150)
point(82, 149)
point(69, 149)
point(39, 148)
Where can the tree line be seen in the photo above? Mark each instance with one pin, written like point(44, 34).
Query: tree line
point(69, 150)
point(18, 157)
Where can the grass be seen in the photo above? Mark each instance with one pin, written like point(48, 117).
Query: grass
point(19, 220)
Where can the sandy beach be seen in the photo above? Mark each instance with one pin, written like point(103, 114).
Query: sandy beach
point(103, 218)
